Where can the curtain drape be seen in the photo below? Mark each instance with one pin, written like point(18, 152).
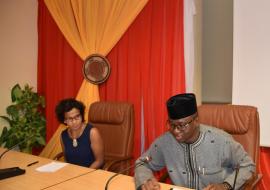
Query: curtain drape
point(148, 67)
point(93, 27)
point(264, 168)
point(90, 27)
point(59, 73)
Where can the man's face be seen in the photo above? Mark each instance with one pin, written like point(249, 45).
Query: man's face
point(185, 130)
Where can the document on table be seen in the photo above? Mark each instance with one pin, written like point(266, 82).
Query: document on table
point(51, 167)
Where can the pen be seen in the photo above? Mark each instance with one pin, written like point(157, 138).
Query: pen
point(32, 163)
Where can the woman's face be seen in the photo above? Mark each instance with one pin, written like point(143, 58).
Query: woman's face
point(73, 119)
point(185, 130)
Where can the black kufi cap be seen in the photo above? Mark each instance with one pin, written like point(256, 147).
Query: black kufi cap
point(181, 106)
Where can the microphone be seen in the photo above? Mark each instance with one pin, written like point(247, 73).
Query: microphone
point(13, 171)
point(143, 161)
point(236, 174)
point(23, 141)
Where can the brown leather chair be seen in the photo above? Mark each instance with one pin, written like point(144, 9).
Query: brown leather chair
point(115, 122)
point(242, 122)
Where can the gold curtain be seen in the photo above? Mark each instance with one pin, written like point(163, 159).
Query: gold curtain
point(93, 26)
point(90, 26)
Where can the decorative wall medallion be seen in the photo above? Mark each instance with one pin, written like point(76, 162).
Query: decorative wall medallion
point(96, 69)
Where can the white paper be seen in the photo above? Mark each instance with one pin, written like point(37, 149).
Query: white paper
point(51, 167)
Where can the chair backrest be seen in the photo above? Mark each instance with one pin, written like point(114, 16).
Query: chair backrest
point(115, 122)
point(242, 122)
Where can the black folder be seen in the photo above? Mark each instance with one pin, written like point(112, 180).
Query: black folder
point(11, 172)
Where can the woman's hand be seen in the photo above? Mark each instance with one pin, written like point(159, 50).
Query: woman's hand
point(97, 147)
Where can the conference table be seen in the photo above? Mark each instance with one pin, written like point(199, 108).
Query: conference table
point(33, 179)
point(69, 177)
point(97, 181)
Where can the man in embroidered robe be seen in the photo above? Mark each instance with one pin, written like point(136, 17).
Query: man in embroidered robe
point(195, 155)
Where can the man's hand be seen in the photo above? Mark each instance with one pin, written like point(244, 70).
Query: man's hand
point(215, 187)
point(151, 184)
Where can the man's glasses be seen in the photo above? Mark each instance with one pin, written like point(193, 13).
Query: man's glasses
point(180, 126)
point(71, 119)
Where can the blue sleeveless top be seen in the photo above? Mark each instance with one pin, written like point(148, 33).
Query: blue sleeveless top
point(81, 155)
